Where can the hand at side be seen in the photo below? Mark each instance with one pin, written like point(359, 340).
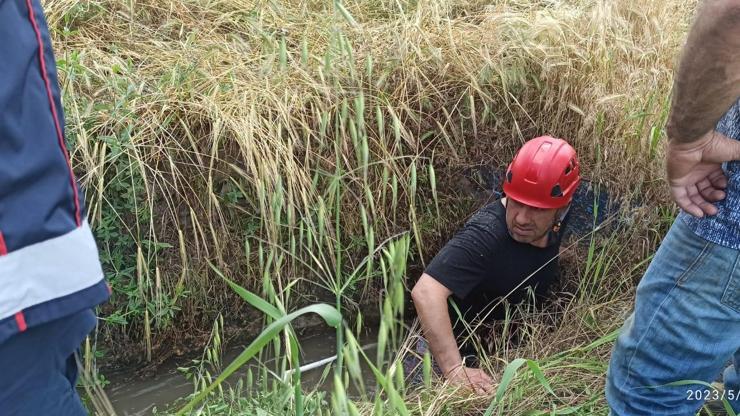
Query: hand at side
point(695, 175)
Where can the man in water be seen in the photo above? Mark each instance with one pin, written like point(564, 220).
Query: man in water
point(686, 323)
point(506, 248)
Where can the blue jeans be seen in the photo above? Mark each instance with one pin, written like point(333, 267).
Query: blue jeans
point(38, 370)
point(685, 326)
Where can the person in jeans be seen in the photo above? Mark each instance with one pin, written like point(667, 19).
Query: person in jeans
point(507, 248)
point(686, 320)
point(50, 274)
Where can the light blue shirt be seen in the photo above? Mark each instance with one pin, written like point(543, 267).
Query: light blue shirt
point(723, 228)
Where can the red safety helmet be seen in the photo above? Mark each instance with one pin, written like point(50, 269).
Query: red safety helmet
point(543, 174)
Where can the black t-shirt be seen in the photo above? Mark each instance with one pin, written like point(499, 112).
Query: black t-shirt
point(482, 263)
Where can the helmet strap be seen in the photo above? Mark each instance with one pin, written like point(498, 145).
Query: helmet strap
point(559, 223)
point(565, 212)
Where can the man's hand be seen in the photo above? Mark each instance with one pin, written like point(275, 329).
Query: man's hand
point(695, 173)
point(474, 378)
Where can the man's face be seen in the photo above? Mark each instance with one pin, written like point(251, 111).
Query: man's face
point(528, 224)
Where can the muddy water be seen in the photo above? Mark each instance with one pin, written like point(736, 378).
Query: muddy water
point(132, 395)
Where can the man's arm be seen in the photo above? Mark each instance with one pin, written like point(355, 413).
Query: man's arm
point(430, 300)
point(707, 82)
point(706, 85)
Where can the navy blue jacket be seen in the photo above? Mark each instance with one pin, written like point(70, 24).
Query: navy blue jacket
point(49, 266)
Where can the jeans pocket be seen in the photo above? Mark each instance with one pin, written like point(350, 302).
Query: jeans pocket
point(731, 295)
point(697, 264)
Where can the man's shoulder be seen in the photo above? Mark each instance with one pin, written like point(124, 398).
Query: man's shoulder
point(465, 260)
point(492, 210)
point(486, 228)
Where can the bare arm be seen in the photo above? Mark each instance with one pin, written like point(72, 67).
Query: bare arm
point(708, 79)
point(707, 84)
point(430, 299)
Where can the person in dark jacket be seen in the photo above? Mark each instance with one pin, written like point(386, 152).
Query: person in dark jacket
point(507, 248)
point(50, 274)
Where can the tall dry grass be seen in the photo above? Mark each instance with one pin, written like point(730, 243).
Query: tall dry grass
point(316, 130)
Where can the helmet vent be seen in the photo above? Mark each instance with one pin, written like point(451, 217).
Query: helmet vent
point(556, 191)
point(569, 168)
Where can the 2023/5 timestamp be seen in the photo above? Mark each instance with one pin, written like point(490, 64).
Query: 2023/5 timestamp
point(712, 394)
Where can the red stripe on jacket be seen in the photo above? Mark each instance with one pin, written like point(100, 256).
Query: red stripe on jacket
point(60, 137)
point(21, 321)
